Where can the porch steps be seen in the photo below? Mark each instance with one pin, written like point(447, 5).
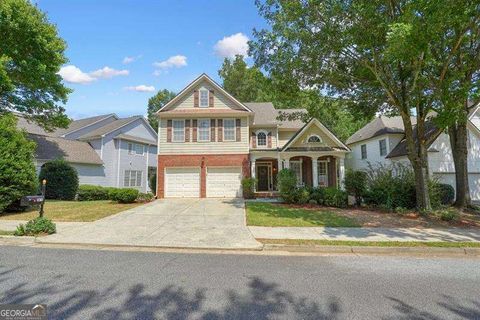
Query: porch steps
point(267, 194)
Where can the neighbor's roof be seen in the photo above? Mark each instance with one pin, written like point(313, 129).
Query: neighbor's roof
point(431, 133)
point(265, 114)
point(30, 126)
point(135, 139)
point(50, 148)
point(379, 126)
point(112, 126)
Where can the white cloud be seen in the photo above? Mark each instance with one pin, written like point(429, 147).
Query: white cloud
point(130, 59)
point(107, 73)
point(230, 46)
point(141, 88)
point(177, 61)
point(73, 74)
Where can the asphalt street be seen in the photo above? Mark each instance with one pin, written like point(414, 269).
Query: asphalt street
point(89, 284)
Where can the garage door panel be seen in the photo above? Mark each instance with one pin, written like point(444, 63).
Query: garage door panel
point(224, 182)
point(182, 182)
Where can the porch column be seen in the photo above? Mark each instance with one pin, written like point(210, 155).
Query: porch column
point(341, 172)
point(315, 172)
point(253, 173)
point(287, 163)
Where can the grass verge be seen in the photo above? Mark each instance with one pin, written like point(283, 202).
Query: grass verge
point(6, 233)
point(266, 214)
point(312, 243)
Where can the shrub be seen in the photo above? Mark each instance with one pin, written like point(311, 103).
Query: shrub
point(287, 185)
point(17, 169)
point(90, 193)
point(446, 193)
point(302, 195)
point(356, 184)
point(62, 180)
point(334, 197)
point(127, 195)
point(248, 185)
point(145, 197)
point(311, 201)
point(36, 226)
point(318, 194)
point(152, 183)
point(449, 214)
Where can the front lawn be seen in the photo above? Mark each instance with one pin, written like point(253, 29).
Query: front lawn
point(73, 211)
point(277, 215)
point(6, 233)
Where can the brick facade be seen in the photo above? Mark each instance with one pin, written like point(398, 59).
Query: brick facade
point(202, 162)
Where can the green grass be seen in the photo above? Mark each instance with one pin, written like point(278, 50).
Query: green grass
point(73, 211)
point(311, 243)
point(276, 215)
point(6, 233)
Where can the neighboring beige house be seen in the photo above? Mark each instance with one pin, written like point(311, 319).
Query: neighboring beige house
point(208, 141)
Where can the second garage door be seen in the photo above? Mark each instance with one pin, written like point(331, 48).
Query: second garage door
point(224, 182)
point(182, 182)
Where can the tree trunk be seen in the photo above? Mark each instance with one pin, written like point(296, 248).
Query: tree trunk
point(420, 169)
point(458, 141)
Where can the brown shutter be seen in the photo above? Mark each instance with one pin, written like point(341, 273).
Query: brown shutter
point(212, 130)
point(238, 125)
point(269, 140)
point(187, 130)
point(220, 130)
point(169, 130)
point(254, 140)
point(194, 130)
point(195, 98)
point(210, 99)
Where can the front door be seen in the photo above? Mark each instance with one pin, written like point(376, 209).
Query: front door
point(262, 178)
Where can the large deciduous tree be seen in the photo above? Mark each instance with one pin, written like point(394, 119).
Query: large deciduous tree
point(155, 103)
point(375, 54)
point(31, 54)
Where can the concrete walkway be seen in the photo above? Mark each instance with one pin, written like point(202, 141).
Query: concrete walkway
point(176, 223)
point(366, 234)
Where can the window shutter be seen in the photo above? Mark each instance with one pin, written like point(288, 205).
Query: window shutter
point(220, 130)
point(195, 98)
point(210, 99)
point(212, 130)
point(194, 130)
point(187, 130)
point(238, 125)
point(254, 140)
point(269, 140)
point(169, 130)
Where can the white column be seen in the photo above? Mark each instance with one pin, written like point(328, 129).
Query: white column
point(253, 173)
point(287, 163)
point(315, 172)
point(342, 172)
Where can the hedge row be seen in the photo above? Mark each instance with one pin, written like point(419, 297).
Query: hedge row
point(121, 195)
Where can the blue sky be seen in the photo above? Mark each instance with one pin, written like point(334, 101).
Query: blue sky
point(120, 50)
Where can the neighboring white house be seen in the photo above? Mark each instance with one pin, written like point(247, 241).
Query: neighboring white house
point(105, 150)
point(382, 141)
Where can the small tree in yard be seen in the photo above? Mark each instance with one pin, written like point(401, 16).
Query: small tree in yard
point(287, 185)
point(17, 170)
point(356, 184)
point(62, 180)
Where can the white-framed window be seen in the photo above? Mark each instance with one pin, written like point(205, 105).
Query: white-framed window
point(363, 149)
point(382, 144)
point(261, 139)
point(322, 173)
point(203, 98)
point(136, 148)
point(132, 178)
point(204, 130)
point(296, 166)
point(229, 130)
point(178, 130)
point(314, 139)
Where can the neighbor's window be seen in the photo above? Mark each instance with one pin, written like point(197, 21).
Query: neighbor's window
point(314, 139)
point(364, 151)
point(204, 130)
point(261, 139)
point(383, 147)
point(132, 178)
point(178, 130)
point(135, 148)
point(203, 98)
point(229, 129)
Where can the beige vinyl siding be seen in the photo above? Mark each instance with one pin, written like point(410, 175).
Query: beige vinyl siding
point(313, 130)
point(225, 147)
point(220, 101)
point(284, 137)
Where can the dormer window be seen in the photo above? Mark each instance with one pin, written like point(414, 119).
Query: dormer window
point(261, 139)
point(314, 139)
point(203, 98)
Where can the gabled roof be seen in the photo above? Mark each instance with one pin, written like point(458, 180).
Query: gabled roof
point(186, 90)
point(110, 127)
point(265, 114)
point(82, 123)
point(431, 134)
point(50, 148)
point(474, 110)
point(314, 121)
point(379, 126)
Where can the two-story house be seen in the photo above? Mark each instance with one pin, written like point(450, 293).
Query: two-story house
point(382, 142)
point(208, 141)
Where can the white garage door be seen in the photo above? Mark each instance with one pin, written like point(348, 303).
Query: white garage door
point(182, 182)
point(224, 182)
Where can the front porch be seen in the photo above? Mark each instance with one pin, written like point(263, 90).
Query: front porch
point(312, 170)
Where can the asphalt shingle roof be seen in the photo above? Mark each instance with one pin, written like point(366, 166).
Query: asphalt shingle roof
point(379, 126)
point(265, 114)
point(109, 127)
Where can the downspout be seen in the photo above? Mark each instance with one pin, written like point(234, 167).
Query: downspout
point(146, 172)
point(118, 161)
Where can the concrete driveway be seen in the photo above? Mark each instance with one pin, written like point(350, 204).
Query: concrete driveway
point(186, 223)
